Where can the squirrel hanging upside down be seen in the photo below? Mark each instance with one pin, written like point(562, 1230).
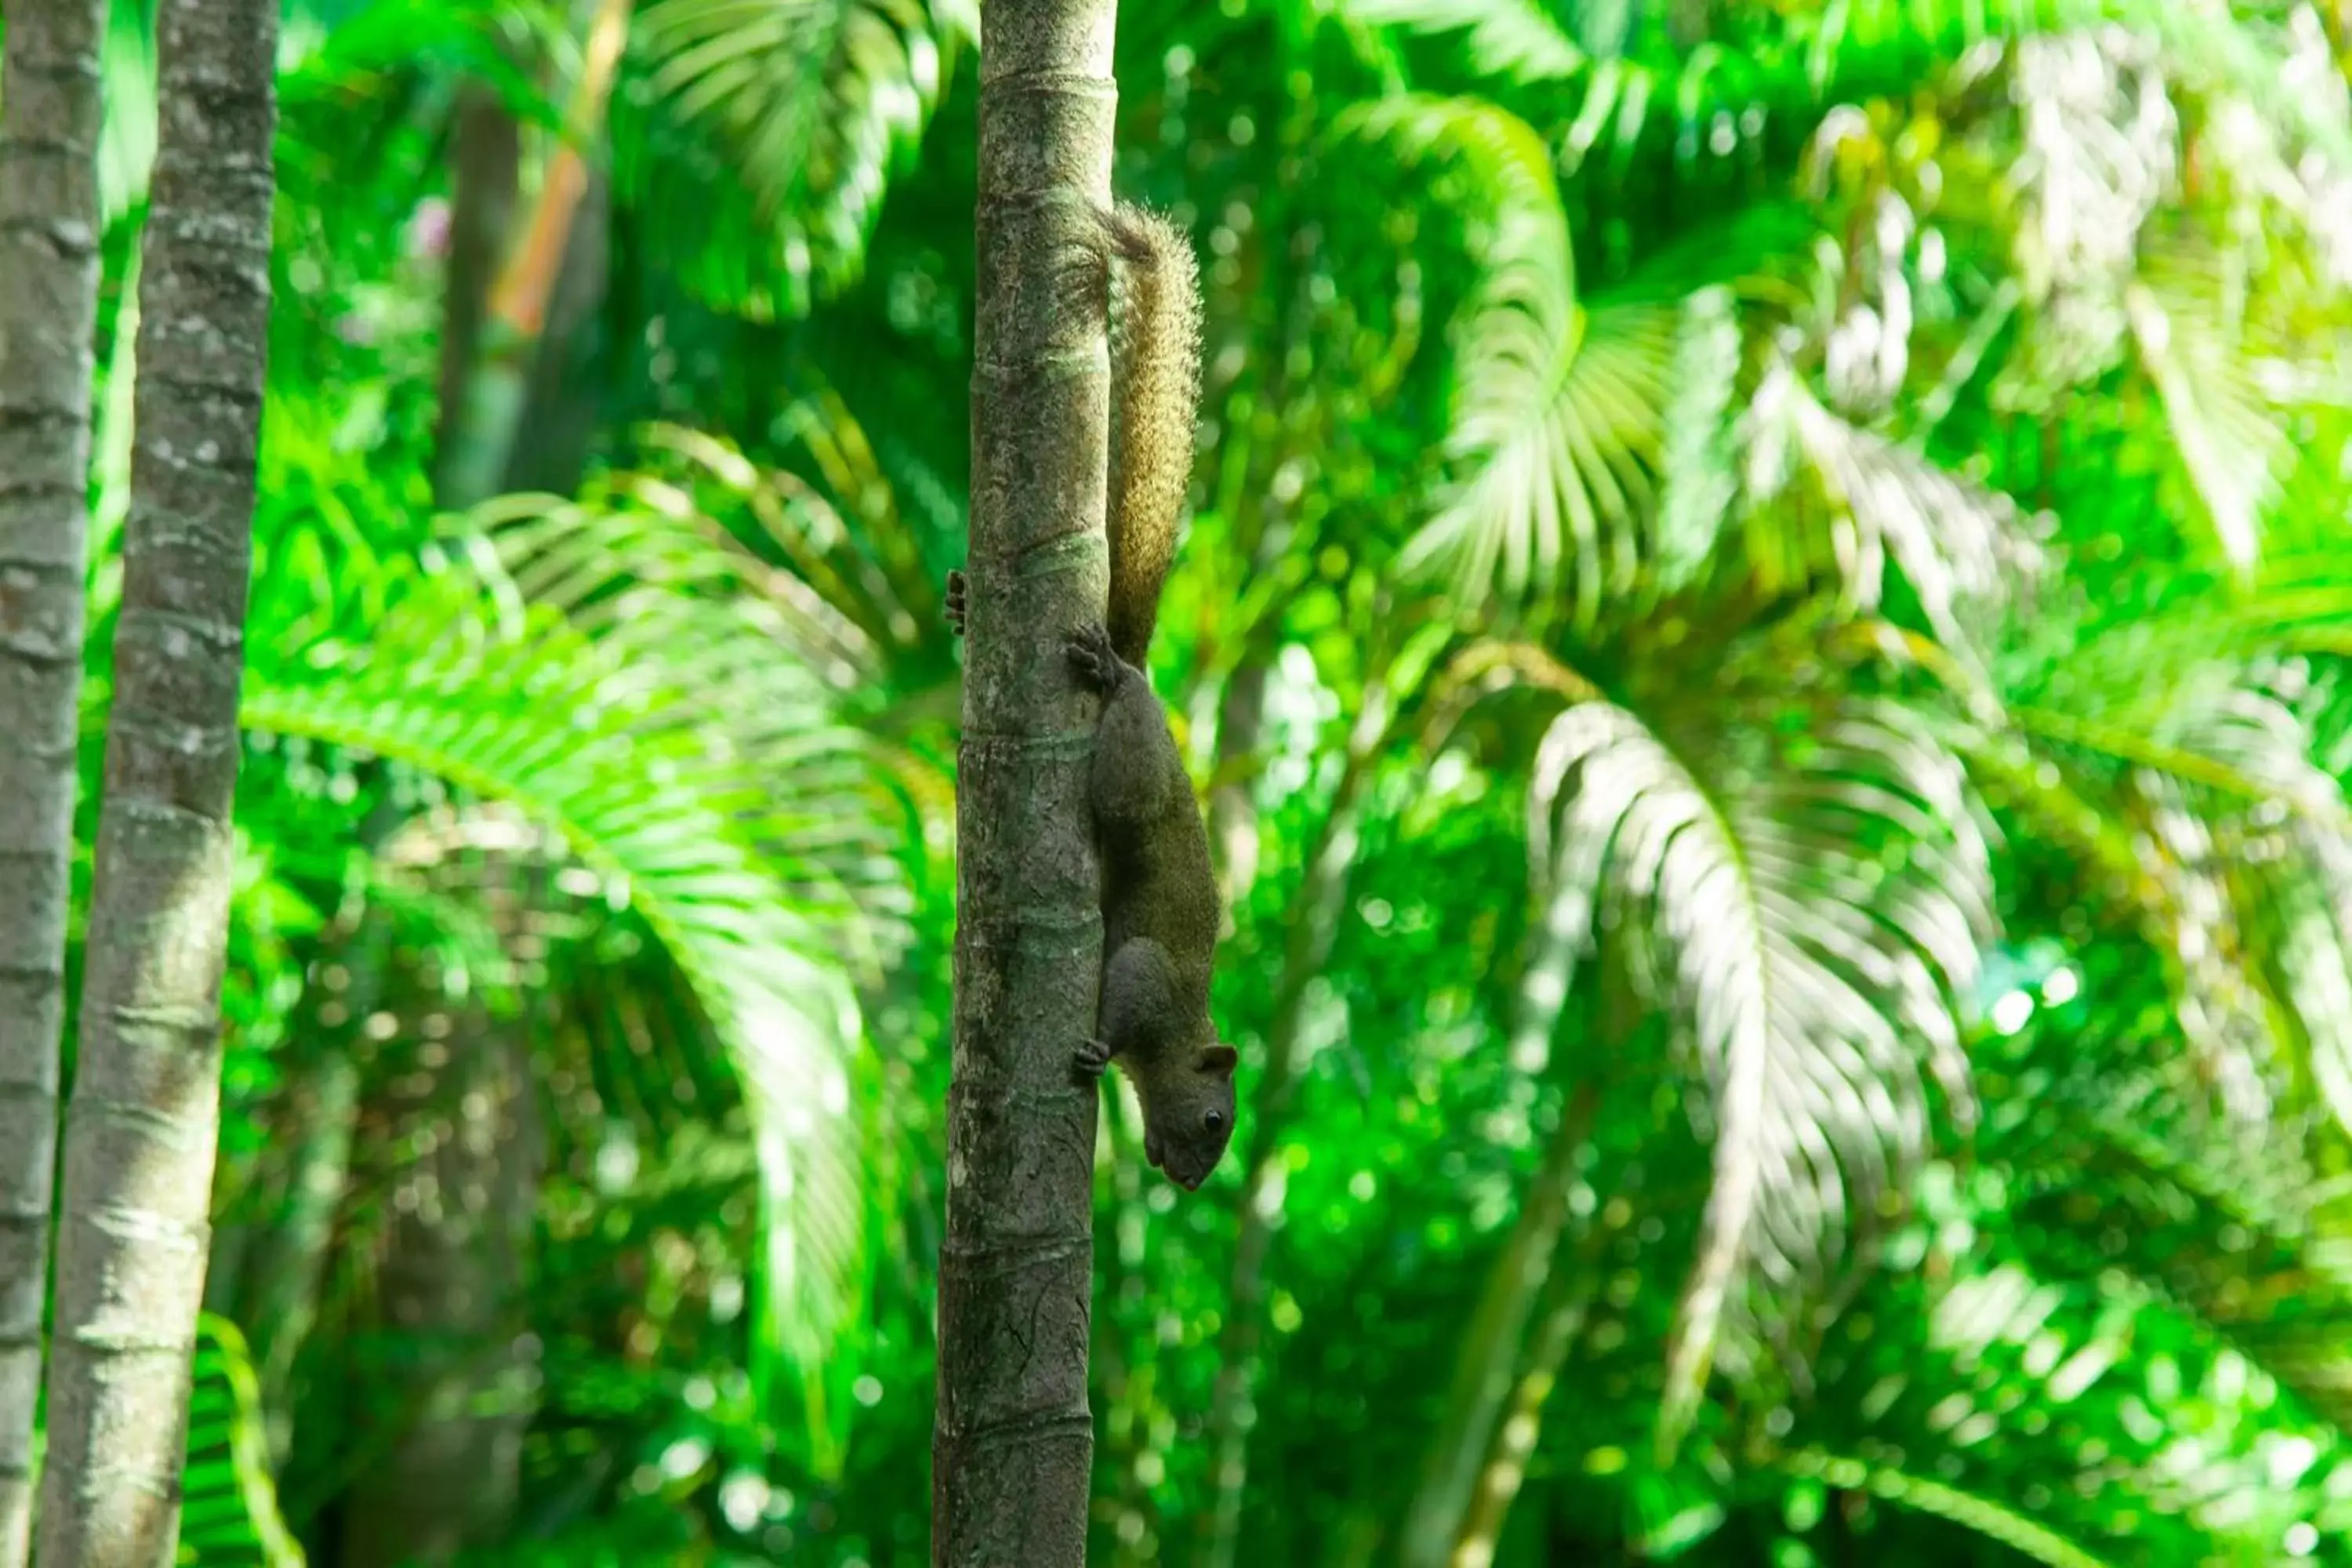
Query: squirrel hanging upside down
point(1160, 893)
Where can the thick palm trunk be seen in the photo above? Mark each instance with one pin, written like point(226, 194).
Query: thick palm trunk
point(49, 109)
point(141, 1126)
point(1013, 1442)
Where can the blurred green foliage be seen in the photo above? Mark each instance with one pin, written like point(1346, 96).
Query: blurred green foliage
point(1766, 630)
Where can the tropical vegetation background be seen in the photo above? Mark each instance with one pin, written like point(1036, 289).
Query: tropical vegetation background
point(1768, 630)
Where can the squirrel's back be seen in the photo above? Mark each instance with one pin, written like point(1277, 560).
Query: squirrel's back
point(1156, 345)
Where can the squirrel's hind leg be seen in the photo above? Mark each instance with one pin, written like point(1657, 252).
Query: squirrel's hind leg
point(1137, 767)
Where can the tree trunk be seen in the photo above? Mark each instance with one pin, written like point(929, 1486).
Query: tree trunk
point(1512, 1443)
point(281, 1288)
point(141, 1126)
point(453, 1351)
point(1476, 1456)
point(486, 175)
point(1493, 1347)
point(480, 427)
point(49, 112)
point(1013, 1441)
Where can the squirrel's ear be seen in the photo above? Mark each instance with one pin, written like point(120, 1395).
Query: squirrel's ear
point(1220, 1059)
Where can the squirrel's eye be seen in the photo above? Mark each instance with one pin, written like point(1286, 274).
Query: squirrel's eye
point(1213, 1121)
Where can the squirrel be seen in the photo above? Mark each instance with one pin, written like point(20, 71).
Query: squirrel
point(1159, 894)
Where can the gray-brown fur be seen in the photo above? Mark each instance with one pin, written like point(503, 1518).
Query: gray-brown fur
point(1160, 924)
point(1155, 390)
point(1159, 892)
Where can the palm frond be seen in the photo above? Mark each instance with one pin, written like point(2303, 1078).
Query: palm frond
point(1518, 38)
point(1989, 1516)
point(2188, 330)
point(1820, 902)
point(767, 132)
point(228, 1503)
point(739, 844)
point(1867, 502)
point(1699, 452)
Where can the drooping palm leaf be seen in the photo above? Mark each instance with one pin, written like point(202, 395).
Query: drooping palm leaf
point(1820, 902)
point(735, 842)
point(2190, 339)
point(1856, 502)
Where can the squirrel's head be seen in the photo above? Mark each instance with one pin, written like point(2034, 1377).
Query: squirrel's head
point(1189, 1118)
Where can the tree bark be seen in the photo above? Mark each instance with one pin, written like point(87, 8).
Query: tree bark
point(1013, 1441)
point(140, 1129)
point(49, 113)
point(453, 1345)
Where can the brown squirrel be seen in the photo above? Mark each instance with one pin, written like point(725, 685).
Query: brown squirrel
point(1159, 894)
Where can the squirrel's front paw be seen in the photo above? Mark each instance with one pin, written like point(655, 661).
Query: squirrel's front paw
point(1094, 1057)
point(1092, 657)
point(955, 602)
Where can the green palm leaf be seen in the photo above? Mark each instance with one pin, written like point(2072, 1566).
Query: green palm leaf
point(1820, 901)
point(228, 1501)
point(1558, 422)
point(772, 131)
point(740, 845)
point(1857, 502)
point(2190, 336)
point(1989, 1516)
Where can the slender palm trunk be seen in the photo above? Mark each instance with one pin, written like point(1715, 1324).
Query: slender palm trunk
point(49, 107)
point(141, 1126)
point(1013, 1442)
point(1469, 1450)
point(1316, 927)
point(1511, 1443)
point(1472, 1471)
point(485, 417)
point(453, 1347)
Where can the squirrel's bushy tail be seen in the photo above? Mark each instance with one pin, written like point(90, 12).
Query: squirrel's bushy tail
point(1156, 390)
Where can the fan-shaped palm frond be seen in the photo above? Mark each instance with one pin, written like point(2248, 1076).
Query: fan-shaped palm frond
point(1820, 885)
point(1868, 502)
point(1555, 439)
point(1518, 38)
point(767, 132)
point(1594, 449)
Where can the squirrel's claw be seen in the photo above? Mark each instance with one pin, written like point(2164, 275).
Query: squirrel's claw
point(1092, 657)
point(955, 602)
point(1094, 1057)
